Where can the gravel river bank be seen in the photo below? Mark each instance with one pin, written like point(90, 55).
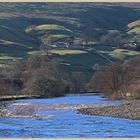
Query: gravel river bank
point(128, 110)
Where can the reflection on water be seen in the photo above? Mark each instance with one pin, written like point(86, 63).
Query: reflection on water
point(69, 123)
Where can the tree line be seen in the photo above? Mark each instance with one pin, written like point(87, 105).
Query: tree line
point(38, 75)
point(118, 80)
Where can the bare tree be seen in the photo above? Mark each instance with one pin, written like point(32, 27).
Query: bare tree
point(78, 80)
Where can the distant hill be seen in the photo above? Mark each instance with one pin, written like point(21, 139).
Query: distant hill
point(25, 26)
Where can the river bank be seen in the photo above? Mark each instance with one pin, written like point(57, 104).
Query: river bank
point(128, 110)
point(17, 97)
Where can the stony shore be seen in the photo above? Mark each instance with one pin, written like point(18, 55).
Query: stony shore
point(128, 110)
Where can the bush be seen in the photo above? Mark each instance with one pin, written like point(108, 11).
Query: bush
point(47, 87)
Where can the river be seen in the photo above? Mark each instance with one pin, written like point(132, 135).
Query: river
point(68, 123)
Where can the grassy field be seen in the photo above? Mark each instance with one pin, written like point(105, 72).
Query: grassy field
point(52, 27)
point(67, 51)
point(135, 30)
point(134, 27)
point(123, 54)
point(134, 24)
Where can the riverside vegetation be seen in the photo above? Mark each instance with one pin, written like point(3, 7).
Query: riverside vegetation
point(32, 76)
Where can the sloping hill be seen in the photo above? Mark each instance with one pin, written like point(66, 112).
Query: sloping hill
point(24, 26)
point(14, 40)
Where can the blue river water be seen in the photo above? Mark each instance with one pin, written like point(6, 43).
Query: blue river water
point(69, 123)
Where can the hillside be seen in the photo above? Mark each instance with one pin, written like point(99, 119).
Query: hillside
point(24, 27)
